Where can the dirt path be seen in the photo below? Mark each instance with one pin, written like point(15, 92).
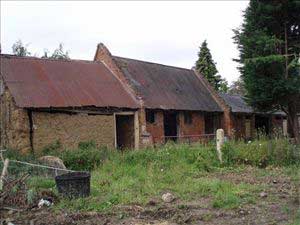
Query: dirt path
point(279, 206)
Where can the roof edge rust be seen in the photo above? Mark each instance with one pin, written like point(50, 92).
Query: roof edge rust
point(36, 83)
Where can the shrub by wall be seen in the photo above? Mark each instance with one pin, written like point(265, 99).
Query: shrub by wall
point(261, 152)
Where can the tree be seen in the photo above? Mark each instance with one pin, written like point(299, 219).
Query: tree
point(237, 88)
point(269, 45)
point(207, 67)
point(223, 88)
point(20, 49)
point(58, 53)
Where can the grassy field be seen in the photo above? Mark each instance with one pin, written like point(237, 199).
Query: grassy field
point(140, 176)
point(125, 182)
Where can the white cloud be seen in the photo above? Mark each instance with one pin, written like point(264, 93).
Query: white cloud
point(164, 32)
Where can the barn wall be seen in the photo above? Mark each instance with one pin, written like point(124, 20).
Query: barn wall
point(156, 129)
point(72, 129)
point(239, 125)
point(197, 126)
point(14, 124)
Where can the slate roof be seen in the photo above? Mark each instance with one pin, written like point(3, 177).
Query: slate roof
point(167, 87)
point(39, 83)
point(237, 103)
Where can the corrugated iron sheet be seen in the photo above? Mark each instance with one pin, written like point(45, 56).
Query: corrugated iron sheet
point(40, 83)
point(167, 87)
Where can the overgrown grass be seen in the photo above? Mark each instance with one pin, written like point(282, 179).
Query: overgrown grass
point(135, 177)
point(138, 176)
point(261, 153)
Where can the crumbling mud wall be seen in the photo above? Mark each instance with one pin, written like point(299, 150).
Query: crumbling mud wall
point(70, 129)
point(14, 124)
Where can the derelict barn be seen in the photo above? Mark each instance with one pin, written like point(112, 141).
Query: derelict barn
point(175, 102)
point(116, 102)
point(44, 101)
point(246, 123)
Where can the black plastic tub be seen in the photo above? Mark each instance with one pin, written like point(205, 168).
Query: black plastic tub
point(74, 185)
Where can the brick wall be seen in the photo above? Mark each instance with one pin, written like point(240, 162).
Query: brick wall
point(227, 119)
point(103, 54)
point(239, 125)
point(14, 124)
point(197, 126)
point(72, 129)
point(156, 129)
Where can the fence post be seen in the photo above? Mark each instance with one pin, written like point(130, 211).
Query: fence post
point(4, 173)
point(220, 142)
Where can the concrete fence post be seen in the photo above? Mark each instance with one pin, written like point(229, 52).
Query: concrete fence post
point(220, 142)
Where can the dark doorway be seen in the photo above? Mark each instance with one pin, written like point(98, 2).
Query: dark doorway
point(262, 124)
point(212, 123)
point(125, 131)
point(170, 126)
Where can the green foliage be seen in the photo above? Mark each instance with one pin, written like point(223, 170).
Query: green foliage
point(37, 183)
point(187, 171)
point(138, 176)
point(223, 86)
point(52, 149)
point(19, 49)
point(261, 153)
point(207, 67)
point(58, 53)
point(86, 157)
point(269, 45)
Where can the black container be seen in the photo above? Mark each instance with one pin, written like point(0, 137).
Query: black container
point(74, 185)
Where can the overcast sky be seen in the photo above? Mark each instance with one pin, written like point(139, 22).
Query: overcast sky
point(163, 32)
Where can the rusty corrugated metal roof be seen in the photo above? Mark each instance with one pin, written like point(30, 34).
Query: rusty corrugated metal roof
point(167, 87)
point(39, 83)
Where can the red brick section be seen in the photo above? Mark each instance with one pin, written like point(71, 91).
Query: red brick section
point(227, 120)
point(197, 127)
point(239, 124)
point(103, 54)
point(156, 129)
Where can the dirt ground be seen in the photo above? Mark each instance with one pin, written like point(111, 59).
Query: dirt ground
point(279, 206)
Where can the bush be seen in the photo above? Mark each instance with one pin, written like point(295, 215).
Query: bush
point(52, 149)
point(261, 153)
point(85, 158)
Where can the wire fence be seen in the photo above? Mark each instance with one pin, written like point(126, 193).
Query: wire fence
point(21, 181)
point(190, 139)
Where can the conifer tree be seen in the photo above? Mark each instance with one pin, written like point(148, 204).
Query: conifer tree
point(207, 67)
point(269, 45)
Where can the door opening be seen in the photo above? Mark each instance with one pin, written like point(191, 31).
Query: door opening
point(262, 124)
point(125, 131)
point(211, 123)
point(170, 126)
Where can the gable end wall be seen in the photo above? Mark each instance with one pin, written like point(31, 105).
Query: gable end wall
point(14, 122)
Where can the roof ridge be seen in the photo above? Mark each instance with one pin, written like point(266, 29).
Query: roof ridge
point(176, 67)
point(46, 59)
